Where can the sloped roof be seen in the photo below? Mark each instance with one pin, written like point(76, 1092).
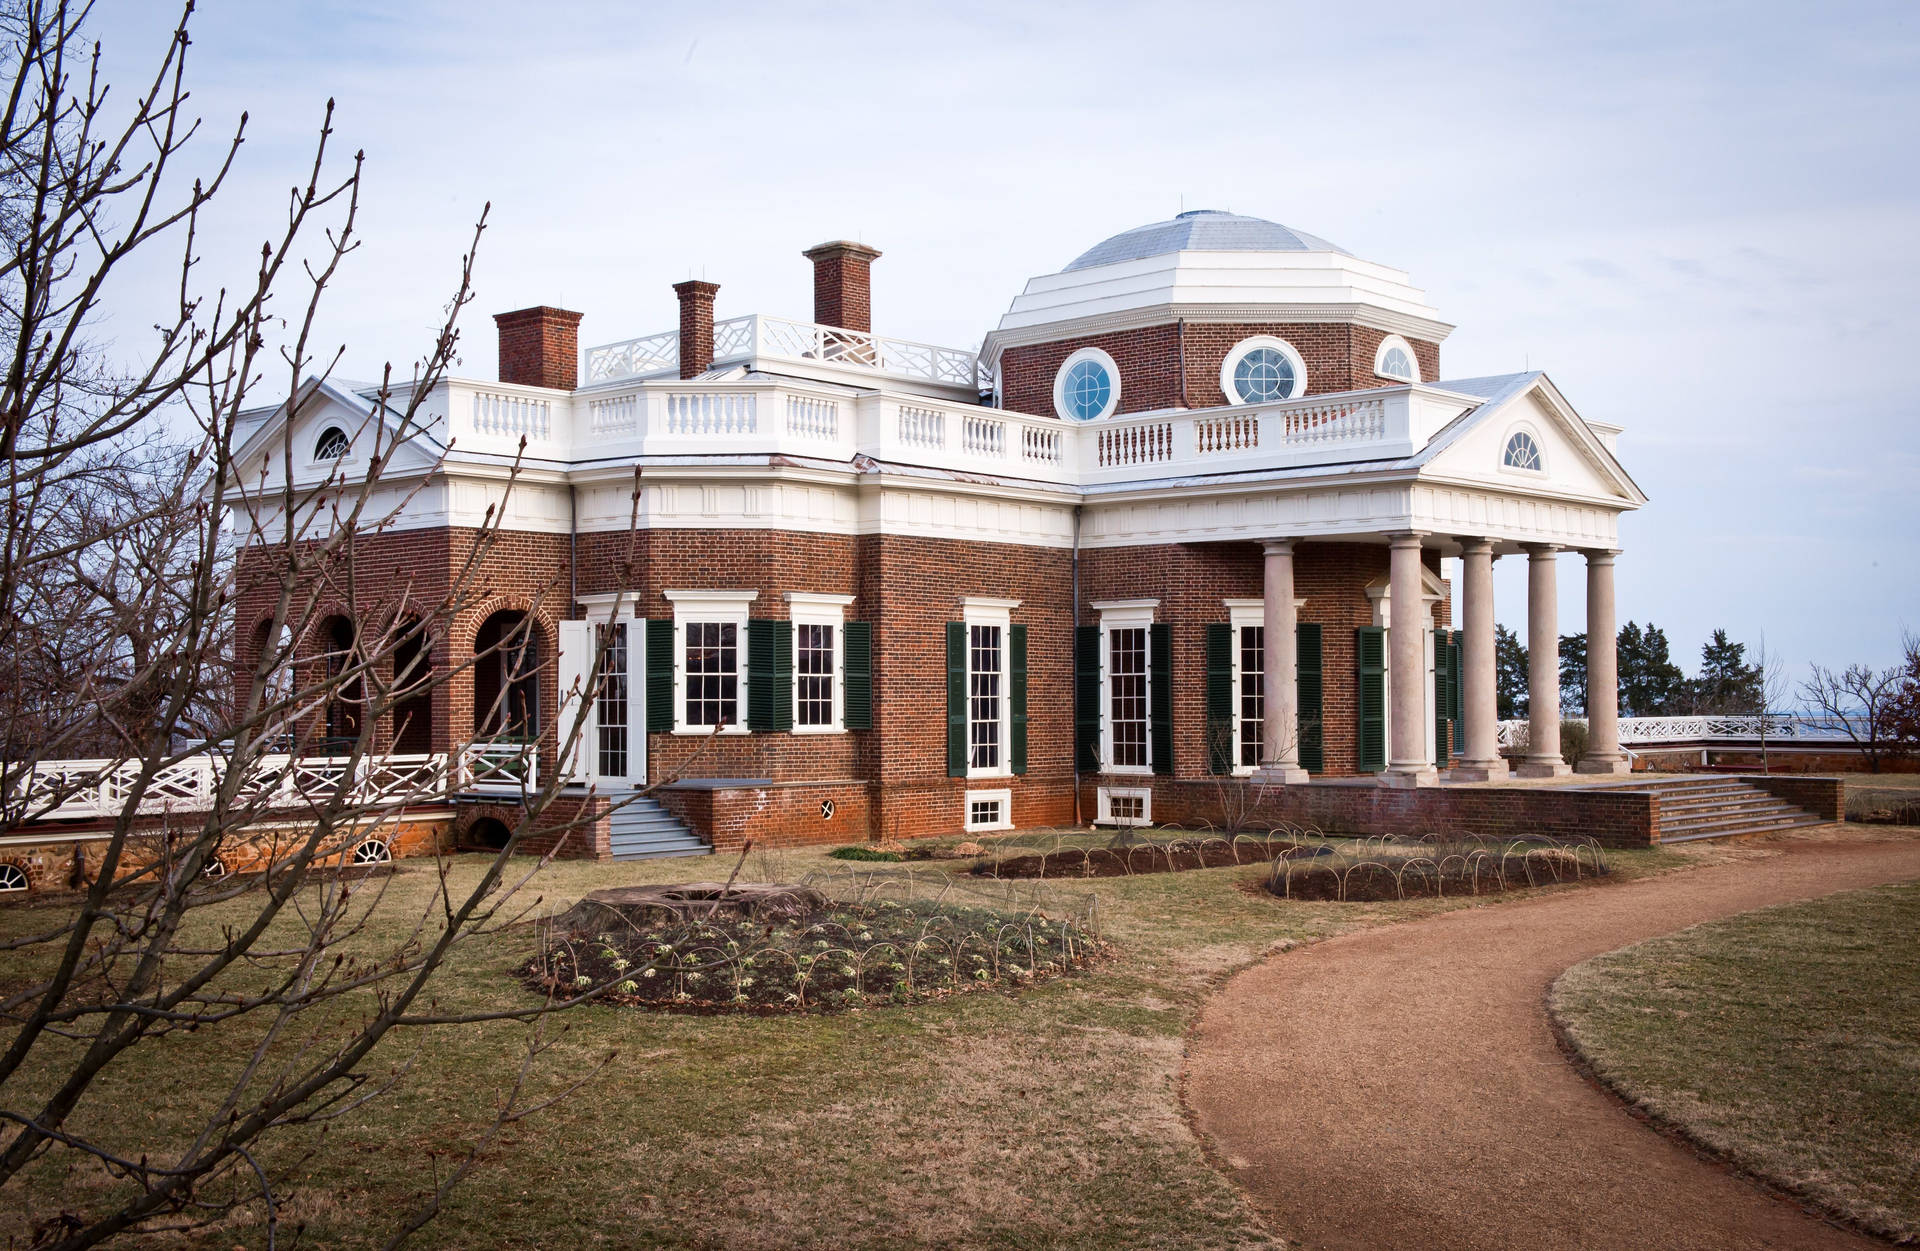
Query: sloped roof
point(1201, 230)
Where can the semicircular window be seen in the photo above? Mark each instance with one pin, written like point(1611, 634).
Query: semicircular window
point(1263, 375)
point(1395, 363)
point(332, 444)
point(1087, 390)
point(1523, 453)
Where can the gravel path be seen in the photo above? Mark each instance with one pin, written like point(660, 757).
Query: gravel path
point(1400, 1087)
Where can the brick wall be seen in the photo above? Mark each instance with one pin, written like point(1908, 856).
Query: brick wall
point(540, 347)
point(1178, 365)
point(1825, 798)
point(779, 815)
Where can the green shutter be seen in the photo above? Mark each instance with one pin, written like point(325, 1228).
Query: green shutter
point(856, 644)
point(1442, 724)
point(1086, 698)
point(1370, 738)
point(659, 677)
point(1017, 695)
point(956, 699)
point(1456, 676)
point(1160, 701)
point(1311, 694)
point(1219, 698)
point(769, 675)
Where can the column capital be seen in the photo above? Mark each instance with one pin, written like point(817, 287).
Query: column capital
point(1277, 547)
point(1600, 555)
point(1541, 549)
point(1406, 538)
point(1470, 546)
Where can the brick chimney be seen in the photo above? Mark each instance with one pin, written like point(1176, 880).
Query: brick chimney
point(696, 325)
point(843, 284)
point(540, 347)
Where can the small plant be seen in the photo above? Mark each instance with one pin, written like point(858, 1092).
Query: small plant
point(864, 853)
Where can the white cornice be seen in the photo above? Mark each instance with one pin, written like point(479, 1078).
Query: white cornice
point(998, 341)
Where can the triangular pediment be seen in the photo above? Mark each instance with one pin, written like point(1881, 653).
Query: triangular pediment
point(312, 424)
point(1556, 452)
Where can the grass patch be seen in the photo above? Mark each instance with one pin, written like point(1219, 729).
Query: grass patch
point(1046, 1116)
point(1787, 1040)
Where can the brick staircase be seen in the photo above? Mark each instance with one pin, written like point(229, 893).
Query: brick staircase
point(1696, 807)
point(643, 830)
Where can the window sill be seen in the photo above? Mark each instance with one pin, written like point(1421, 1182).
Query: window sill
point(980, 775)
point(707, 731)
point(1138, 771)
point(819, 729)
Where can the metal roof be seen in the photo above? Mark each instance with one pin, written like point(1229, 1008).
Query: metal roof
point(1202, 230)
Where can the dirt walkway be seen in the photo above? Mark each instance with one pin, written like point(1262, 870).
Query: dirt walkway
point(1400, 1088)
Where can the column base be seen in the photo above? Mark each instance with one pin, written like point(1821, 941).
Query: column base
point(1279, 775)
point(1408, 777)
point(1478, 771)
point(1603, 764)
point(1543, 767)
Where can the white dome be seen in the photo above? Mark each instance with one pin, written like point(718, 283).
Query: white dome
point(1201, 230)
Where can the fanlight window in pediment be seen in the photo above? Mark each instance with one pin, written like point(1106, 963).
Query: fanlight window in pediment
point(1523, 453)
point(332, 444)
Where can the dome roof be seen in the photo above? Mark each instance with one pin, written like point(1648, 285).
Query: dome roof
point(1201, 230)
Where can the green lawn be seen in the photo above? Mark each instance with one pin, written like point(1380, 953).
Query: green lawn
point(1040, 1119)
point(1786, 1039)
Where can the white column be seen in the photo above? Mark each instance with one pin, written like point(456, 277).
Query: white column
point(1479, 697)
point(1603, 754)
point(1543, 666)
point(1407, 621)
point(1280, 730)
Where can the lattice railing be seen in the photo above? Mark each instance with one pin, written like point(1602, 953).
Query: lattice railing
point(1680, 731)
point(784, 338)
point(636, 358)
point(104, 788)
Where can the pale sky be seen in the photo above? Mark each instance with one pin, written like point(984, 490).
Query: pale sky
point(1703, 221)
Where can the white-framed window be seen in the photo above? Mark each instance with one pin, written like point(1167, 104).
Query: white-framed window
point(819, 661)
point(1263, 370)
point(1087, 387)
point(989, 810)
point(1248, 621)
point(1123, 805)
point(1394, 358)
point(612, 717)
point(1126, 685)
point(988, 624)
point(710, 661)
point(1522, 453)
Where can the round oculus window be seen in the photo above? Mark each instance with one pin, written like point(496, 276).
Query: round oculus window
point(1087, 386)
point(1262, 370)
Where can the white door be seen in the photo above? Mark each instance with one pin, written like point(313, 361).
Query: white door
point(611, 750)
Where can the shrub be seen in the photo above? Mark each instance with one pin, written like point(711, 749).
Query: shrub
point(1573, 740)
point(864, 853)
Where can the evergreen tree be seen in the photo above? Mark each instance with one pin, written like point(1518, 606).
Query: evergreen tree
point(1651, 685)
point(1573, 674)
point(1727, 685)
point(1509, 674)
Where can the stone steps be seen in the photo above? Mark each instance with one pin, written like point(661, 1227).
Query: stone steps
point(643, 830)
point(1694, 808)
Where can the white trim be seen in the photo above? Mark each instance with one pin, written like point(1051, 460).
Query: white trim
point(1243, 614)
point(998, 613)
point(987, 611)
point(1103, 805)
point(1060, 381)
point(724, 607)
point(1002, 797)
point(1380, 355)
point(807, 608)
point(1124, 614)
point(1253, 343)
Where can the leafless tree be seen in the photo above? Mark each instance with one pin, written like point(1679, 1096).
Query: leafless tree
point(130, 537)
point(1862, 702)
point(1775, 684)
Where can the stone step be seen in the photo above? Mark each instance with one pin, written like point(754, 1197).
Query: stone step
point(1805, 822)
point(1743, 824)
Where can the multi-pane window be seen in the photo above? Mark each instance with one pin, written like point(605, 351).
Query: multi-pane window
point(813, 674)
point(613, 707)
point(985, 652)
point(983, 812)
point(1253, 692)
point(713, 673)
point(1127, 696)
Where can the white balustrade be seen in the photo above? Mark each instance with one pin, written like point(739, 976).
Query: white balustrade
point(1143, 443)
point(717, 413)
point(1234, 432)
point(983, 436)
point(1683, 731)
point(783, 338)
point(615, 414)
point(512, 416)
point(636, 358)
point(1340, 421)
point(809, 417)
point(102, 789)
point(921, 428)
point(1042, 444)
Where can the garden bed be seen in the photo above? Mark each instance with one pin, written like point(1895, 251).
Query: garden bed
point(1174, 856)
point(1375, 869)
point(840, 955)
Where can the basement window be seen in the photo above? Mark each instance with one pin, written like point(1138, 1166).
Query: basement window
point(989, 810)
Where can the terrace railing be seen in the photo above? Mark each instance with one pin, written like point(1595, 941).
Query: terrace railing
point(763, 337)
point(1647, 732)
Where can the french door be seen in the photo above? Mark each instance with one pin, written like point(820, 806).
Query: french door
point(610, 751)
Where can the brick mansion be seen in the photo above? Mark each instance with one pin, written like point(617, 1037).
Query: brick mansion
point(1176, 523)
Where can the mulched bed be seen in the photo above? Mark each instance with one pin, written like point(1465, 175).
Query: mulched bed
point(837, 957)
point(1173, 857)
